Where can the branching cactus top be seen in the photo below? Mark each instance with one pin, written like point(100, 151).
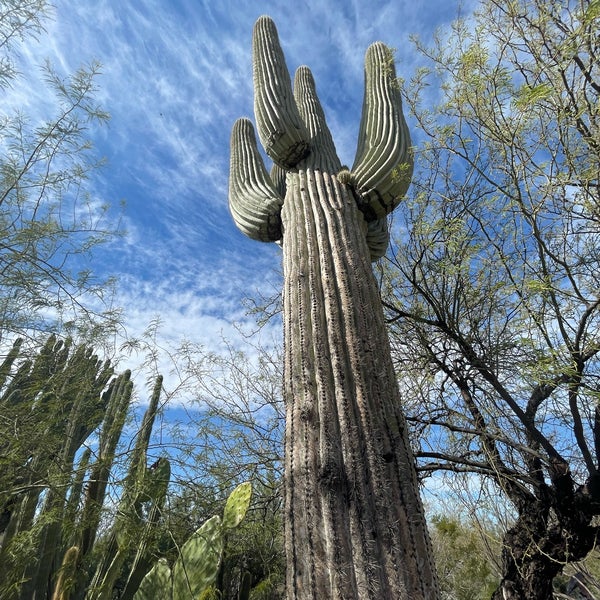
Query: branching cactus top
point(293, 131)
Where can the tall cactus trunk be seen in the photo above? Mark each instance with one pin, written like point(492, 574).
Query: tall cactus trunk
point(354, 525)
point(354, 521)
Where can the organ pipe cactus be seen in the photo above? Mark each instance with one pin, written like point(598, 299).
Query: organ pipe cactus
point(141, 485)
point(50, 405)
point(354, 523)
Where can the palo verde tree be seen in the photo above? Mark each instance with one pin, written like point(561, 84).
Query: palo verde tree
point(354, 523)
point(48, 220)
point(492, 292)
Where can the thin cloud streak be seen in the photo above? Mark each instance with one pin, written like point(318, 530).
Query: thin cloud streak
point(175, 77)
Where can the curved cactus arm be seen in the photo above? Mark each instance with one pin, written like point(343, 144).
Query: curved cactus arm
point(279, 178)
point(324, 155)
point(280, 126)
point(254, 202)
point(383, 165)
point(378, 238)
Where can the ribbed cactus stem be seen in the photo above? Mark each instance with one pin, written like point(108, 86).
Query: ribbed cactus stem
point(141, 484)
point(354, 523)
point(281, 129)
point(8, 361)
point(323, 155)
point(254, 202)
point(383, 164)
point(117, 398)
point(142, 562)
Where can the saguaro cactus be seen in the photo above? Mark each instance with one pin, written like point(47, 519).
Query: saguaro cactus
point(354, 523)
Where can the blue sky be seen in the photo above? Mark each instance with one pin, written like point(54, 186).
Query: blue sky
point(176, 75)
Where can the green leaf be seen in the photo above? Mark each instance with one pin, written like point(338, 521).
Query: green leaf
point(529, 95)
point(591, 13)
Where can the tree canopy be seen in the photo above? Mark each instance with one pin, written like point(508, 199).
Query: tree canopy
point(49, 218)
point(492, 288)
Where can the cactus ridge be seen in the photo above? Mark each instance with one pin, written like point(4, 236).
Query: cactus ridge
point(292, 128)
point(324, 155)
point(254, 202)
point(383, 165)
point(280, 127)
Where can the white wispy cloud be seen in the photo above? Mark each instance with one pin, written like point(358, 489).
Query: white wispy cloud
point(175, 77)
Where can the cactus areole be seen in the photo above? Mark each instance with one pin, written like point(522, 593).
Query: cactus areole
point(354, 524)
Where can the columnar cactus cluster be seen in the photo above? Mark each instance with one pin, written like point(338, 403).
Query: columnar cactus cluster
point(50, 507)
point(354, 523)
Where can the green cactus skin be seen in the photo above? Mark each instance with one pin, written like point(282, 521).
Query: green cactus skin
point(254, 201)
point(198, 563)
point(282, 132)
point(354, 522)
point(156, 584)
point(157, 481)
point(237, 505)
point(195, 571)
point(141, 485)
point(117, 398)
point(383, 165)
point(61, 392)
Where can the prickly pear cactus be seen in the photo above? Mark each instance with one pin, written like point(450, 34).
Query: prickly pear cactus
point(157, 583)
point(354, 524)
point(195, 571)
point(198, 564)
point(237, 505)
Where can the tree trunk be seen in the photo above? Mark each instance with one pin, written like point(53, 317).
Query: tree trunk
point(354, 520)
point(550, 531)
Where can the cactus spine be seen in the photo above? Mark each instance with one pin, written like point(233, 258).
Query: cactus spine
point(354, 522)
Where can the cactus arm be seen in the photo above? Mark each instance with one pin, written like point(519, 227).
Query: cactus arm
point(383, 165)
point(280, 127)
point(278, 177)
point(8, 361)
point(378, 238)
point(117, 398)
point(254, 202)
point(323, 156)
point(156, 488)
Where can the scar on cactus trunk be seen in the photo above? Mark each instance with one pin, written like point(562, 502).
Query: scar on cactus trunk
point(354, 523)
